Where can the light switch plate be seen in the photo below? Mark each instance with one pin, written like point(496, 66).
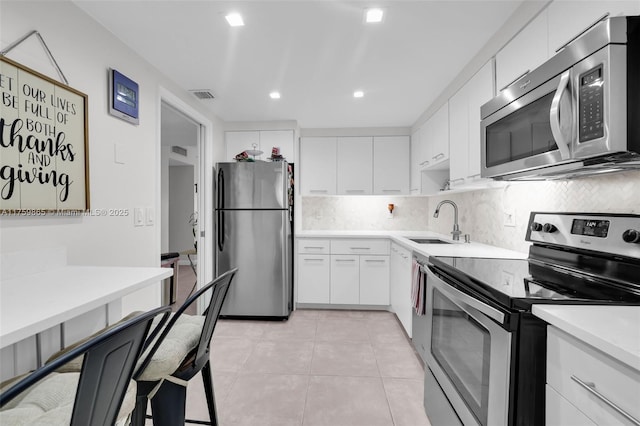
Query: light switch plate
point(149, 217)
point(138, 216)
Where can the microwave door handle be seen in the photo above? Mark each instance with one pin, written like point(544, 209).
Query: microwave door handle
point(554, 117)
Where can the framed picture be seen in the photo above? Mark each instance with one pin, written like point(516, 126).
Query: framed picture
point(123, 97)
point(44, 148)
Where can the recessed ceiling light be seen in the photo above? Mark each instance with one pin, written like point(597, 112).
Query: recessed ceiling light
point(358, 94)
point(274, 95)
point(234, 19)
point(374, 15)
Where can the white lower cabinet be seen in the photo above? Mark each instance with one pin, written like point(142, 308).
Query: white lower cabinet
point(374, 280)
point(594, 384)
point(400, 285)
point(314, 275)
point(343, 271)
point(561, 412)
point(345, 279)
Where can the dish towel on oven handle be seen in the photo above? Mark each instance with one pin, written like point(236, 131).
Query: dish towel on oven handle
point(417, 288)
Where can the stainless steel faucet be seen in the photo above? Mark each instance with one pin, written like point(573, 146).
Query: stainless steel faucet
point(456, 229)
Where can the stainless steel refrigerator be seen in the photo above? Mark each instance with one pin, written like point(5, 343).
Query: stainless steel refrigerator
point(254, 218)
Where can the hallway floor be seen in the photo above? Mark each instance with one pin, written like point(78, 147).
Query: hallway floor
point(321, 367)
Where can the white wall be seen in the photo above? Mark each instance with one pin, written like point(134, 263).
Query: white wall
point(84, 50)
point(181, 199)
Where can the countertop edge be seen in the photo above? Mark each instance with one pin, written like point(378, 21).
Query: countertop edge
point(568, 319)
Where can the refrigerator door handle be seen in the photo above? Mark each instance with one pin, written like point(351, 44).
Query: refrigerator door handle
point(219, 210)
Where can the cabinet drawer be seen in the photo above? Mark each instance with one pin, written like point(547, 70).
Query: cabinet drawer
point(360, 246)
point(578, 371)
point(313, 246)
point(560, 412)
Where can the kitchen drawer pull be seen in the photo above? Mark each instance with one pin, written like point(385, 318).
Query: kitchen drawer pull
point(375, 260)
point(313, 247)
point(313, 260)
point(391, 190)
point(345, 260)
point(360, 248)
point(591, 387)
point(354, 191)
point(424, 162)
point(439, 156)
point(318, 191)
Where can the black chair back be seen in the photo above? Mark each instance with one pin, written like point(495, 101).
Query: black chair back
point(107, 368)
point(200, 356)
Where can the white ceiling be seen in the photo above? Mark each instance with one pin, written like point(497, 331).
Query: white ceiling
point(315, 53)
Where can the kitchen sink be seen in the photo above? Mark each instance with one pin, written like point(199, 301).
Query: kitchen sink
point(429, 241)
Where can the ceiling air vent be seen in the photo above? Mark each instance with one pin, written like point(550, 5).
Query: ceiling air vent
point(179, 150)
point(203, 94)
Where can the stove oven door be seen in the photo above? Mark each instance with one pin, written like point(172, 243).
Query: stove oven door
point(469, 354)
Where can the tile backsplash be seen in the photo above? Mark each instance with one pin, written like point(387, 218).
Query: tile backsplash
point(481, 212)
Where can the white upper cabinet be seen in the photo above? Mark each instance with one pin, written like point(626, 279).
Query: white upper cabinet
point(416, 175)
point(318, 166)
point(435, 139)
point(236, 142)
point(567, 19)
point(282, 139)
point(355, 165)
point(391, 165)
point(526, 51)
point(263, 140)
point(464, 125)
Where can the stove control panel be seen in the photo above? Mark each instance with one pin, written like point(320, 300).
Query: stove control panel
point(607, 233)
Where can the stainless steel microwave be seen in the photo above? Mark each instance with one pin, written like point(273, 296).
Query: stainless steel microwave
point(577, 113)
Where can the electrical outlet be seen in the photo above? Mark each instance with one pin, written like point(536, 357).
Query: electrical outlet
point(509, 218)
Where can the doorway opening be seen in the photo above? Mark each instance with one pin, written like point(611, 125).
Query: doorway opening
point(180, 171)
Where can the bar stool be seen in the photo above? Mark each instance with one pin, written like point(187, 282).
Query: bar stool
point(170, 260)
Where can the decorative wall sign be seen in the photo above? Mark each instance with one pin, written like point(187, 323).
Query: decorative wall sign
point(123, 97)
point(44, 158)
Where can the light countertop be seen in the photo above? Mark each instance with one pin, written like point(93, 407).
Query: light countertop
point(455, 249)
point(32, 303)
point(614, 330)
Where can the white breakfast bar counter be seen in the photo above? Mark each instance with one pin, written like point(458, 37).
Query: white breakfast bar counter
point(46, 304)
point(30, 304)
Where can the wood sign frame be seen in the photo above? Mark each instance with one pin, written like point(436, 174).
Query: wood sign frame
point(44, 143)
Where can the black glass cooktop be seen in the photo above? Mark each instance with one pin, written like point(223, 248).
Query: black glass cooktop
point(519, 283)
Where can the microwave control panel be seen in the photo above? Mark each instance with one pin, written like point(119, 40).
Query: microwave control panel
point(591, 114)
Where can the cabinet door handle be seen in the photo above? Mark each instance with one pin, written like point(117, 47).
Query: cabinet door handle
point(360, 248)
point(391, 190)
point(313, 247)
point(439, 156)
point(354, 191)
point(345, 260)
point(307, 259)
point(318, 191)
point(456, 180)
point(424, 162)
point(591, 387)
point(375, 260)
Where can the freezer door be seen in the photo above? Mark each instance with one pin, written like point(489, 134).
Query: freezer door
point(259, 244)
point(252, 185)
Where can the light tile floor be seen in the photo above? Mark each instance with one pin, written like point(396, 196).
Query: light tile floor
point(319, 368)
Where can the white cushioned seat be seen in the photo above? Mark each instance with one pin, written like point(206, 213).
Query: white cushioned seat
point(181, 339)
point(50, 403)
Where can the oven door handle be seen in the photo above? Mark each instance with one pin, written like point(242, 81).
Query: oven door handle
point(462, 298)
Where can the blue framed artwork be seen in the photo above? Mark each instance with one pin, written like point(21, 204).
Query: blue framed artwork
point(123, 97)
